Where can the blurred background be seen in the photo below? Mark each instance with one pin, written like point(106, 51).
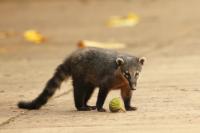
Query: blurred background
point(64, 23)
point(36, 35)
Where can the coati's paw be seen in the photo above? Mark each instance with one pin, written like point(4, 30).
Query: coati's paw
point(131, 108)
point(101, 110)
point(84, 109)
point(92, 107)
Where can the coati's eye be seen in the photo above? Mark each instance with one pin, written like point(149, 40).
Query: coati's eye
point(127, 74)
point(137, 74)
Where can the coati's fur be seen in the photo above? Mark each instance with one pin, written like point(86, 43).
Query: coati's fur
point(91, 68)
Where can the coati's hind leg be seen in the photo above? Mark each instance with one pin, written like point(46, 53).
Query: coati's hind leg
point(126, 94)
point(90, 90)
point(80, 93)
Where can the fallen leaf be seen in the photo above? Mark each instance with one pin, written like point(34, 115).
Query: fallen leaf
point(108, 45)
point(122, 21)
point(34, 36)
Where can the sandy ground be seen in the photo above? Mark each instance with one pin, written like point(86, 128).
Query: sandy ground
point(169, 89)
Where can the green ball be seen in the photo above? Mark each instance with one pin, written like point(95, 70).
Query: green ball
point(115, 105)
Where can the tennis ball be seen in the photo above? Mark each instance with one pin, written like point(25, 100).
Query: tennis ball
point(115, 105)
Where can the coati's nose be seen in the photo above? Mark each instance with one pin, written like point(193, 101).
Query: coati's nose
point(133, 87)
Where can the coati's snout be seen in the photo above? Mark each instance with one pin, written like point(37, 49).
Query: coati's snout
point(136, 72)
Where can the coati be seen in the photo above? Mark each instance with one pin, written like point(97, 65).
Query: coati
point(91, 68)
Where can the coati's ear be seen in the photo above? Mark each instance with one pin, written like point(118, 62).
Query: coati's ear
point(119, 61)
point(142, 60)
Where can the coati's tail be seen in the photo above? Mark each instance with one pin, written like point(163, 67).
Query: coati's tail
point(62, 72)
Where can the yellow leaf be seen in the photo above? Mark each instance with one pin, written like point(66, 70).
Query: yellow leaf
point(34, 36)
point(121, 21)
point(108, 45)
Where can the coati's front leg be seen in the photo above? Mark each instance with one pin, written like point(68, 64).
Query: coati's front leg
point(103, 92)
point(126, 94)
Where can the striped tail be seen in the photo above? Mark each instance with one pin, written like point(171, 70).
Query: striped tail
point(62, 72)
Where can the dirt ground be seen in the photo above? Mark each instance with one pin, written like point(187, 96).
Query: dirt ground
point(168, 91)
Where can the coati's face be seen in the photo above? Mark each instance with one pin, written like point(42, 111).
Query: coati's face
point(131, 68)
